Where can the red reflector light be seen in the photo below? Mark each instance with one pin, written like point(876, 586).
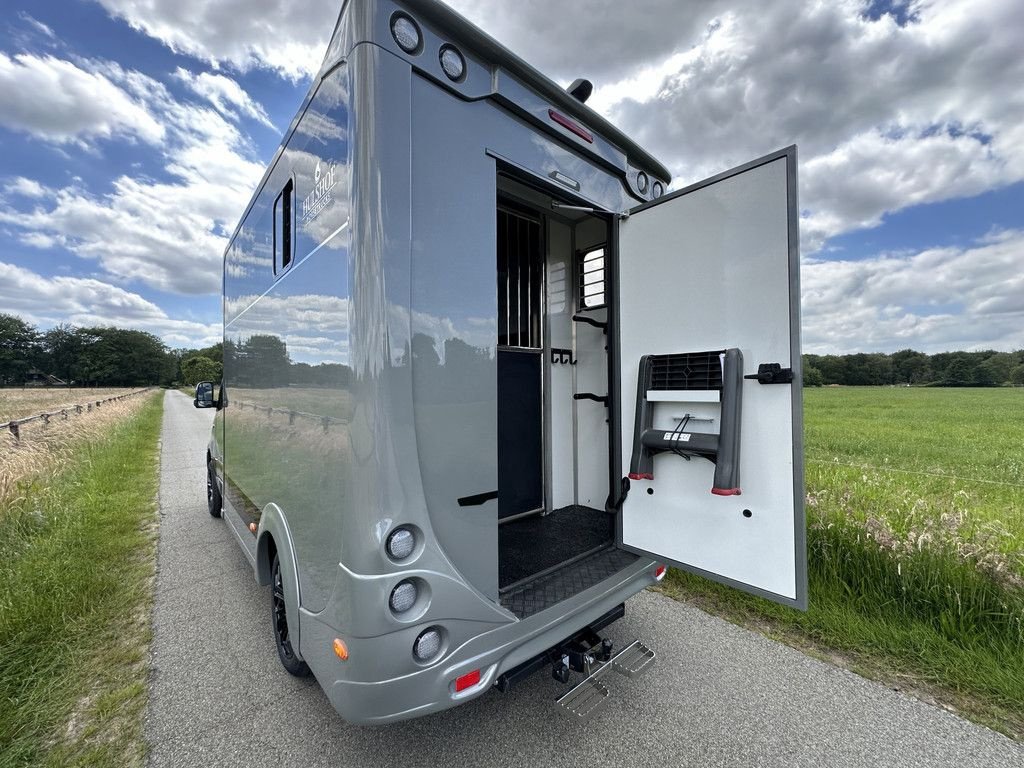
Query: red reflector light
point(640, 476)
point(659, 572)
point(467, 681)
point(569, 125)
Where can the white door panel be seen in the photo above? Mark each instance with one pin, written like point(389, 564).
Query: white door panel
point(715, 267)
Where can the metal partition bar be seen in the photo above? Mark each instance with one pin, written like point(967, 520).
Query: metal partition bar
point(519, 281)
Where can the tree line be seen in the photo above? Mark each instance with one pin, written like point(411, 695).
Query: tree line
point(115, 357)
point(99, 356)
point(96, 356)
point(908, 367)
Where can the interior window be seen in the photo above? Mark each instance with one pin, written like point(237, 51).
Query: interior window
point(592, 278)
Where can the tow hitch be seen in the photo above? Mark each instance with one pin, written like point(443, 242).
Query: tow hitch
point(585, 652)
point(593, 656)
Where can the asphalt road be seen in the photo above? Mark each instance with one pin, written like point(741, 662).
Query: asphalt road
point(719, 695)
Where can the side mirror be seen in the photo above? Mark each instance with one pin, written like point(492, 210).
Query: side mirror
point(204, 395)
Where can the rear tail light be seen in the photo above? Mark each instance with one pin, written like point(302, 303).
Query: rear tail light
point(400, 543)
point(452, 62)
point(427, 645)
point(571, 125)
point(659, 572)
point(406, 33)
point(467, 681)
point(403, 596)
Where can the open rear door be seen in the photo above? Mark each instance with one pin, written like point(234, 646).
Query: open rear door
point(708, 297)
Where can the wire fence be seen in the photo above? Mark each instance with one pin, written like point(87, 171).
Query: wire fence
point(65, 411)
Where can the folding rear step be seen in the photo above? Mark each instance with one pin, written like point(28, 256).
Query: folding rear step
point(587, 696)
point(584, 699)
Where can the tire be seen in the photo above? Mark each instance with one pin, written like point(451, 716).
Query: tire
point(214, 503)
point(279, 618)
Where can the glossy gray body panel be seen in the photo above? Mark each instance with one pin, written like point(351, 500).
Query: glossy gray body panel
point(360, 381)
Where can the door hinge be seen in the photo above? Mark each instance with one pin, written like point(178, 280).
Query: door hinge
point(772, 373)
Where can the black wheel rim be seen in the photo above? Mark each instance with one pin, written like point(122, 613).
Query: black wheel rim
point(280, 614)
point(209, 487)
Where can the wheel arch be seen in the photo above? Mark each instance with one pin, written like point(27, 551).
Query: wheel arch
point(274, 537)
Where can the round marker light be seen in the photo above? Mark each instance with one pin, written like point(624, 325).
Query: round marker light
point(642, 181)
point(403, 596)
point(400, 543)
point(658, 190)
point(405, 32)
point(427, 645)
point(452, 62)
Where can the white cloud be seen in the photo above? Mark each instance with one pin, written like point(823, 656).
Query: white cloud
point(886, 116)
point(289, 36)
point(602, 40)
point(166, 234)
point(37, 25)
point(711, 85)
point(47, 301)
point(932, 300)
point(57, 100)
point(225, 94)
point(19, 185)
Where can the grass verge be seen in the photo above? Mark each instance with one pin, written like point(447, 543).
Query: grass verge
point(915, 544)
point(77, 557)
point(904, 589)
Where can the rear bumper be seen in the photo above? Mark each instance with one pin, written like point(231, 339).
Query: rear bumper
point(495, 652)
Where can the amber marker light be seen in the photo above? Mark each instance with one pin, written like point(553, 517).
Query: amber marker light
point(340, 649)
point(252, 527)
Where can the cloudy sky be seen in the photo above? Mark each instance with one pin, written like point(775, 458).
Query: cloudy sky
point(134, 131)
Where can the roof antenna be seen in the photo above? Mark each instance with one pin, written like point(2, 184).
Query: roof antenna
point(581, 89)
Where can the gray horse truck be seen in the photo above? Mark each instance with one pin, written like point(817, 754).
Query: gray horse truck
point(485, 377)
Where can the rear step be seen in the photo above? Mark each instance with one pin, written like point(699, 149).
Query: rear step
point(587, 696)
point(634, 660)
point(584, 699)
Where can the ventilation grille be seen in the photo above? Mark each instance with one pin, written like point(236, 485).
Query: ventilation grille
point(690, 370)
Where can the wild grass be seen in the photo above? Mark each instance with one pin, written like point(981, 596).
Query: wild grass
point(76, 566)
point(915, 512)
point(19, 402)
point(44, 447)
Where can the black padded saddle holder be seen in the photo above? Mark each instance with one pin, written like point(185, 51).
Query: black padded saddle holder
point(720, 370)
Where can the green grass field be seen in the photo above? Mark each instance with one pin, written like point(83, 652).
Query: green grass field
point(915, 510)
point(76, 566)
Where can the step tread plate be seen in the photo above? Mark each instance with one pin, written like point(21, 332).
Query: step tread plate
point(584, 699)
point(634, 660)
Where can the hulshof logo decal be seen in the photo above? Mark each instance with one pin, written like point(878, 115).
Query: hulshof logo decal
point(320, 197)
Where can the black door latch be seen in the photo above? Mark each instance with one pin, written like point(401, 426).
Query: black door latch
point(772, 373)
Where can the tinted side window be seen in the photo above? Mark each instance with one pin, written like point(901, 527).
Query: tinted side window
point(284, 218)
